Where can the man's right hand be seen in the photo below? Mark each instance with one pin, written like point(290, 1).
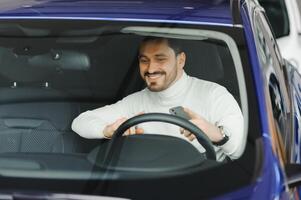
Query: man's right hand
point(110, 129)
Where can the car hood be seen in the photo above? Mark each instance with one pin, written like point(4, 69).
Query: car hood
point(216, 11)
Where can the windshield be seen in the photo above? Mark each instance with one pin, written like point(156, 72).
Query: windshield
point(51, 75)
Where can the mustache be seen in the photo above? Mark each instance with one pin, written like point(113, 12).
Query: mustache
point(154, 73)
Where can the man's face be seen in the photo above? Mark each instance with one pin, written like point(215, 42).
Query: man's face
point(159, 66)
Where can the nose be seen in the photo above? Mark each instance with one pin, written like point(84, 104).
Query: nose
point(152, 67)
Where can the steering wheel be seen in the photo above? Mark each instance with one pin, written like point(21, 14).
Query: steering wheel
point(162, 117)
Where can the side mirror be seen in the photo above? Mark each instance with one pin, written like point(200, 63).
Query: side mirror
point(293, 172)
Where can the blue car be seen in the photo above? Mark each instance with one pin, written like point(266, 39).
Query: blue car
point(60, 58)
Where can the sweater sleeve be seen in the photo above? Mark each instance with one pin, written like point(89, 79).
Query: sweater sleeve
point(91, 124)
point(226, 112)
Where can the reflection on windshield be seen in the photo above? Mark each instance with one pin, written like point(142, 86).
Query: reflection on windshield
point(277, 15)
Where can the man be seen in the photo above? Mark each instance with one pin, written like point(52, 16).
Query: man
point(161, 64)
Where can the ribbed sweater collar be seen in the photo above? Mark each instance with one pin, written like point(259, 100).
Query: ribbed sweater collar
point(173, 95)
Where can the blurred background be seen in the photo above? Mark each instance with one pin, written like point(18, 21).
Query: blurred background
point(285, 19)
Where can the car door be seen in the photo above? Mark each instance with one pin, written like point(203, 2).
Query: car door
point(294, 85)
point(278, 102)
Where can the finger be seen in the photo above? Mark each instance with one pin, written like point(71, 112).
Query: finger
point(139, 130)
point(108, 131)
point(132, 131)
point(182, 130)
point(186, 133)
point(191, 137)
point(127, 132)
point(109, 128)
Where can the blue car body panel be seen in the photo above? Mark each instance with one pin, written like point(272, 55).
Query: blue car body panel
point(271, 183)
point(189, 12)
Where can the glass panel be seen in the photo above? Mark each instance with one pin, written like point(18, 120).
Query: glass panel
point(277, 15)
point(52, 73)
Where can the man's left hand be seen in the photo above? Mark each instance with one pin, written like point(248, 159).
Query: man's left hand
point(209, 129)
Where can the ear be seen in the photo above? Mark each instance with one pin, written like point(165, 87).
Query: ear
point(181, 59)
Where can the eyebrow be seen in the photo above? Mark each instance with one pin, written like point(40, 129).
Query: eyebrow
point(157, 55)
point(160, 55)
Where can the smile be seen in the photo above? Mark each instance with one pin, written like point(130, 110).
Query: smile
point(154, 76)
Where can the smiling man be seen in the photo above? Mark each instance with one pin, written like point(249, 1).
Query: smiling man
point(161, 63)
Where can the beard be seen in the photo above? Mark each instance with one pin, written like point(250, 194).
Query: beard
point(161, 83)
point(154, 85)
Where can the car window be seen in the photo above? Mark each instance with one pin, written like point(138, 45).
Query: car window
point(51, 74)
point(277, 14)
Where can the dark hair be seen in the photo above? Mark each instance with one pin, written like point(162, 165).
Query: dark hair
point(172, 43)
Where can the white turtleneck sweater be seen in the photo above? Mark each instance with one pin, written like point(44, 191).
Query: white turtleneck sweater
point(208, 99)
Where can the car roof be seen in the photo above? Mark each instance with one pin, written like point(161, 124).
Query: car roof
point(181, 11)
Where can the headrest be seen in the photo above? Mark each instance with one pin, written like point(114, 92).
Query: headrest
point(22, 66)
point(203, 61)
point(59, 114)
